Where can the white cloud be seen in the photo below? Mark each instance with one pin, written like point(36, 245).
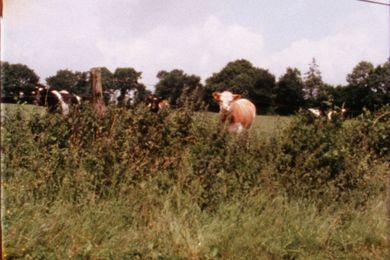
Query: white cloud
point(199, 37)
point(359, 35)
point(199, 49)
point(338, 53)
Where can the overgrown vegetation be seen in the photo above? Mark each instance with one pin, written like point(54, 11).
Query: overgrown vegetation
point(174, 184)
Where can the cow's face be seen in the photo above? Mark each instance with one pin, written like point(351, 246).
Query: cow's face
point(152, 103)
point(113, 95)
point(130, 96)
point(35, 95)
point(225, 100)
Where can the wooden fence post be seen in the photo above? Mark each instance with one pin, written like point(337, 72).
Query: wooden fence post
point(97, 91)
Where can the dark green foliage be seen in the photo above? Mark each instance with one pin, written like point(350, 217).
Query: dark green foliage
point(15, 78)
point(289, 95)
point(126, 78)
point(64, 80)
point(176, 86)
point(328, 160)
point(368, 87)
point(371, 133)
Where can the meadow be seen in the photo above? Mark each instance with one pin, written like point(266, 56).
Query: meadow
point(175, 185)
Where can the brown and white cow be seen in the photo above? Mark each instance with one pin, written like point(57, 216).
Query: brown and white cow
point(155, 103)
point(54, 99)
point(239, 111)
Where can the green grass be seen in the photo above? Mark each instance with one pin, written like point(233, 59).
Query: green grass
point(264, 125)
point(149, 225)
point(25, 109)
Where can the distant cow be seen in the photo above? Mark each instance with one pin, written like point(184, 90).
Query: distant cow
point(239, 111)
point(315, 111)
point(54, 99)
point(339, 111)
point(328, 113)
point(19, 95)
point(155, 103)
point(10, 97)
point(121, 96)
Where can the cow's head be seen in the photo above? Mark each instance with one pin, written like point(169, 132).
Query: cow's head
point(129, 97)
point(225, 99)
point(152, 102)
point(37, 94)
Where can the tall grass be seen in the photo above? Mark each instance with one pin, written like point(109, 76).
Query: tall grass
point(175, 185)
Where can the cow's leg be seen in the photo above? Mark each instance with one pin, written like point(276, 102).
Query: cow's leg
point(236, 127)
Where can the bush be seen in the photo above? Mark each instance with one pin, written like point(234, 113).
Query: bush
point(330, 160)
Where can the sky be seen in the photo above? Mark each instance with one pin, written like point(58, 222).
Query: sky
point(197, 36)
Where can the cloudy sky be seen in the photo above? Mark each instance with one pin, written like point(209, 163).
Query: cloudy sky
point(198, 36)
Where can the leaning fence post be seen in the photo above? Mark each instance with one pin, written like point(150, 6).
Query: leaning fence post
point(97, 91)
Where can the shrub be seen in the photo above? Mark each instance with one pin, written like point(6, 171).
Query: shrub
point(327, 160)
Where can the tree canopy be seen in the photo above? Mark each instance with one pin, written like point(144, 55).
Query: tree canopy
point(15, 78)
point(176, 86)
point(288, 94)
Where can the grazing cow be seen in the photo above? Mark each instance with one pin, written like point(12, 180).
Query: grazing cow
point(329, 113)
point(112, 96)
point(10, 98)
point(315, 111)
point(239, 111)
point(129, 97)
point(155, 103)
point(341, 111)
point(19, 95)
point(54, 99)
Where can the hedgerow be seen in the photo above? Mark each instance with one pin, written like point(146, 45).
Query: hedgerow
point(84, 154)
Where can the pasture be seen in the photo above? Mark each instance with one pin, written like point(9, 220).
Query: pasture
point(172, 185)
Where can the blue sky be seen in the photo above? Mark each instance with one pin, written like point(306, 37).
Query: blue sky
point(199, 37)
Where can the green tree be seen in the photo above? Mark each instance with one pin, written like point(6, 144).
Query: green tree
point(312, 83)
point(262, 91)
point(242, 77)
point(360, 74)
point(381, 84)
point(63, 80)
point(360, 91)
point(16, 78)
point(288, 94)
point(126, 78)
point(82, 86)
point(177, 87)
point(107, 78)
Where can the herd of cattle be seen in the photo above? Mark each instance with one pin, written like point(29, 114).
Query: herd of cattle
point(238, 112)
point(61, 100)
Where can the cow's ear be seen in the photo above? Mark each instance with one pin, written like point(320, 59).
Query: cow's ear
point(236, 96)
point(216, 95)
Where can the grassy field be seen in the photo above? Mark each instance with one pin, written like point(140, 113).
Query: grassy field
point(57, 205)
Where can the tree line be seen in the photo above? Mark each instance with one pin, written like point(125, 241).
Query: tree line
point(368, 86)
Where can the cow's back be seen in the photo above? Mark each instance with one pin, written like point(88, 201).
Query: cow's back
point(243, 111)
